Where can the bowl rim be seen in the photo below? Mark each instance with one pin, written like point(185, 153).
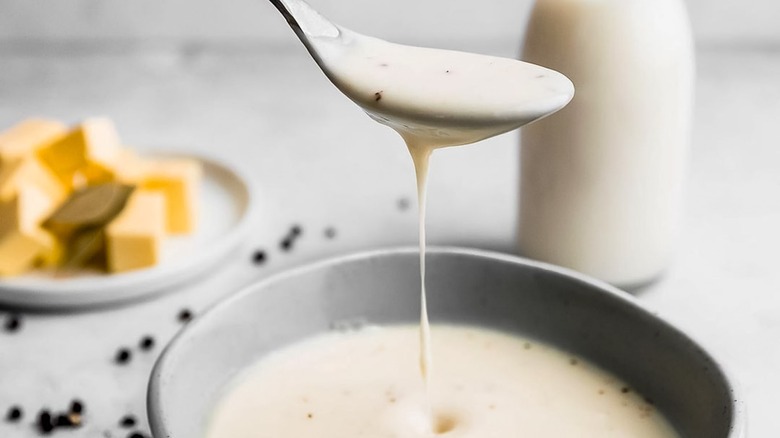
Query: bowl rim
point(158, 424)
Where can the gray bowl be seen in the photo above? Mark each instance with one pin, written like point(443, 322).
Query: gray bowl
point(551, 304)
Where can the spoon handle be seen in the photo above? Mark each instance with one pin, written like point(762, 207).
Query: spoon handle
point(305, 21)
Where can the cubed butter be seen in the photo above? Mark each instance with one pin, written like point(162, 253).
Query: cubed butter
point(179, 181)
point(52, 253)
point(92, 174)
point(29, 172)
point(24, 138)
point(132, 168)
point(92, 149)
point(22, 241)
point(20, 249)
point(28, 208)
point(134, 238)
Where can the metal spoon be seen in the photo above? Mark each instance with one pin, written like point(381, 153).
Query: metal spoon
point(442, 97)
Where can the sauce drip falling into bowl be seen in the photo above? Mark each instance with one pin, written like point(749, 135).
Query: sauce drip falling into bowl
point(433, 98)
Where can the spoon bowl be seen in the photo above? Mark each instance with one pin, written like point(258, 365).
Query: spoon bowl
point(440, 97)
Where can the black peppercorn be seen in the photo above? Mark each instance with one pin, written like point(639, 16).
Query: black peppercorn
point(14, 414)
point(13, 323)
point(45, 425)
point(185, 315)
point(76, 406)
point(259, 257)
point(147, 343)
point(123, 356)
point(63, 421)
point(127, 421)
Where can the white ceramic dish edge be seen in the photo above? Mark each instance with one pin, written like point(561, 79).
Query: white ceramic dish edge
point(92, 292)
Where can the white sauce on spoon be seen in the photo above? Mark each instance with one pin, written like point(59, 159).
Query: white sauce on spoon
point(438, 98)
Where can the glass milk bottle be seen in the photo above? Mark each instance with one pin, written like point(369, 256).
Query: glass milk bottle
point(601, 181)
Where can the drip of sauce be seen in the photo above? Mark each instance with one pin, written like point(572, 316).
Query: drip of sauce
point(439, 98)
point(421, 157)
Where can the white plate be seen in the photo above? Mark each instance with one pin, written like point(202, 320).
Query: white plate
point(225, 207)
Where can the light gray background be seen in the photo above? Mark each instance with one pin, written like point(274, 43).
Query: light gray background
point(227, 78)
point(714, 21)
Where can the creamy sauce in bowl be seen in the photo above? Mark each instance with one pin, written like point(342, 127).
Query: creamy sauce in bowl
point(364, 384)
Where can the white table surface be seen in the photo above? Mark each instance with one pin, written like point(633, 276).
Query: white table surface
point(317, 161)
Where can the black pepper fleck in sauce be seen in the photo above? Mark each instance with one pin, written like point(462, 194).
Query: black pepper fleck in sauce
point(286, 244)
point(573, 361)
point(296, 230)
point(378, 96)
point(136, 435)
point(625, 390)
point(309, 415)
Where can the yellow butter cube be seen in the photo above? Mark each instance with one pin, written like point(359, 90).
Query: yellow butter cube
point(90, 149)
point(29, 172)
point(179, 181)
point(52, 253)
point(92, 174)
point(28, 208)
point(132, 168)
point(20, 249)
point(22, 240)
point(134, 238)
point(23, 139)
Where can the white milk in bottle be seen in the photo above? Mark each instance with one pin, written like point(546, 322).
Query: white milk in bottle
point(601, 180)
